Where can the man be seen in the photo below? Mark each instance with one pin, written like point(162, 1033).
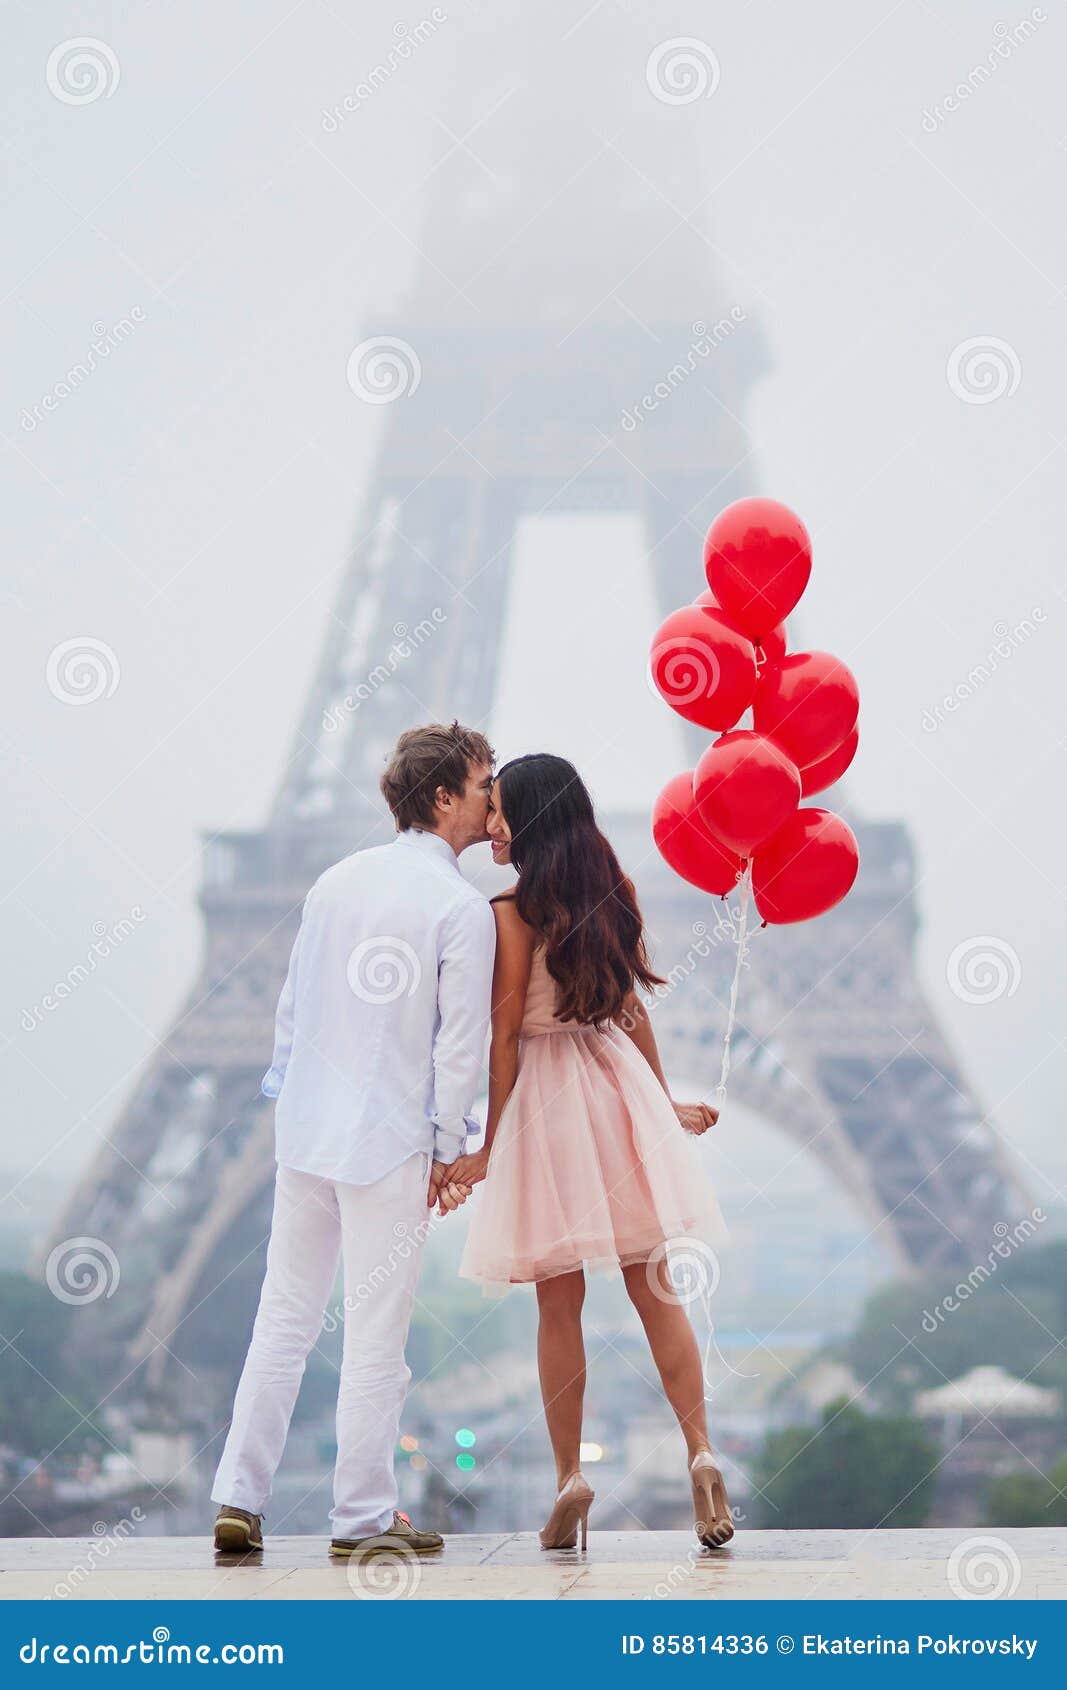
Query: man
point(378, 1052)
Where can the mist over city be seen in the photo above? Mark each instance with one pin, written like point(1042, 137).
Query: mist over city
point(367, 373)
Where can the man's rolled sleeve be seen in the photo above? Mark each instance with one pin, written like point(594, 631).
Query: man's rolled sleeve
point(464, 996)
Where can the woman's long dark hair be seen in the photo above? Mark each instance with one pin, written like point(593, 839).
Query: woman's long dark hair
point(571, 890)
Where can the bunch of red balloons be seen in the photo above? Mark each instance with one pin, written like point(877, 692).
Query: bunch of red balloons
point(721, 656)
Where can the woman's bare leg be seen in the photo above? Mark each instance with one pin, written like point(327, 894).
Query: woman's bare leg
point(674, 1347)
point(561, 1365)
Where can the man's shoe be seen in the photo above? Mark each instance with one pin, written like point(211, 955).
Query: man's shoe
point(401, 1538)
point(237, 1531)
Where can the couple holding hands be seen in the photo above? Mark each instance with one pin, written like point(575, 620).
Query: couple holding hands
point(399, 967)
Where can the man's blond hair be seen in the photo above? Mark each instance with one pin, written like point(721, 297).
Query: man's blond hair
point(426, 759)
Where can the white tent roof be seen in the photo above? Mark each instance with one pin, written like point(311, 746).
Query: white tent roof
point(988, 1390)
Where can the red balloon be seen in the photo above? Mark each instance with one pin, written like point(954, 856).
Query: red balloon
point(805, 868)
point(809, 702)
point(757, 558)
point(704, 667)
point(684, 842)
point(771, 646)
point(745, 787)
point(818, 776)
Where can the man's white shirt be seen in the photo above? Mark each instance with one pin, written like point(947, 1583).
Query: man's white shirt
point(381, 1025)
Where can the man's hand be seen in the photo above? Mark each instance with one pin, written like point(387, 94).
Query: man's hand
point(437, 1174)
point(446, 1192)
point(696, 1117)
point(452, 1195)
point(469, 1170)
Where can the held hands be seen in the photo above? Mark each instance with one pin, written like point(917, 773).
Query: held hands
point(469, 1170)
point(452, 1183)
point(696, 1117)
point(447, 1192)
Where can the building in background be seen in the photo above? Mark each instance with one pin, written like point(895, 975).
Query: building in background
point(567, 377)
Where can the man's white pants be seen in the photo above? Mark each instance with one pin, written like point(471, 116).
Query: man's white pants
point(378, 1231)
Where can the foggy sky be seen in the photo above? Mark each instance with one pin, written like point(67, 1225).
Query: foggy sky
point(192, 503)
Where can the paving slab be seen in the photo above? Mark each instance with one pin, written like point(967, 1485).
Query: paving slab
point(853, 1565)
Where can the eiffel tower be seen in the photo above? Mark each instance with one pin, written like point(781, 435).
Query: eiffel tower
point(560, 287)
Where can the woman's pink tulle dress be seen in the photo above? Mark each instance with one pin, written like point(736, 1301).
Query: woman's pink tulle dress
point(590, 1166)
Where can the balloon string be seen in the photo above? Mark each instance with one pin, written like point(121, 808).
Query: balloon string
point(711, 1348)
point(745, 887)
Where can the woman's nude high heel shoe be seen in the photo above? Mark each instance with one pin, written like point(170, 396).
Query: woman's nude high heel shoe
point(569, 1513)
point(714, 1522)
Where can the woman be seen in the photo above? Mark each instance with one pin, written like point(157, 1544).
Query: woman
point(584, 1160)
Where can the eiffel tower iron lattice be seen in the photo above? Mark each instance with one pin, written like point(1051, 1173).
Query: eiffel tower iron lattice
point(572, 358)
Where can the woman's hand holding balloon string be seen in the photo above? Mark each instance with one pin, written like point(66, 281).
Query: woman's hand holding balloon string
point(696, 1118)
